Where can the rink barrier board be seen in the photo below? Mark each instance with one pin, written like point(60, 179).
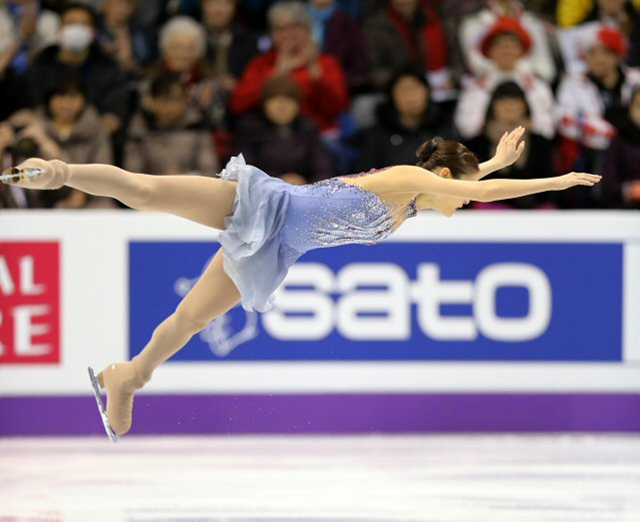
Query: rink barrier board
point(318, 414)
point(435, 395)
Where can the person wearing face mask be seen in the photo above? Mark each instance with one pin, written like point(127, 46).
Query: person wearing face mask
point(77, 56)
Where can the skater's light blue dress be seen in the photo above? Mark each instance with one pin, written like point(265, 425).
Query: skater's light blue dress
point(274, 223)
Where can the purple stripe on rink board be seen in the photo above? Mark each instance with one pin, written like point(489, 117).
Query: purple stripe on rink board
point(341, 413)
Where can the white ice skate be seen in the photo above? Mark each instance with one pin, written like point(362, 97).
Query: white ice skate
point(103, 412)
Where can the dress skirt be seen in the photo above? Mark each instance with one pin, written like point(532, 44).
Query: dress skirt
point(255, 257)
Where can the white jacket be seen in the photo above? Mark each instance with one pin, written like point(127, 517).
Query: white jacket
point(476, 93)
point(580, 109)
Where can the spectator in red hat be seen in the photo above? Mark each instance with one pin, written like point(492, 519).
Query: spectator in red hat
point(622, 14)
point(538, 61)
point(504, 45)
point(591, 104)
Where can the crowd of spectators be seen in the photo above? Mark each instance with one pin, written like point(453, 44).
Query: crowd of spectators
point(310, 90)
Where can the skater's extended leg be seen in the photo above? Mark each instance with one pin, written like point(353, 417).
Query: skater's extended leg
point(201, 199)
point(213, 295)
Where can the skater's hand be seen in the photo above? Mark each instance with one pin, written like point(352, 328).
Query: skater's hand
point(508, 150)
point(574, 179)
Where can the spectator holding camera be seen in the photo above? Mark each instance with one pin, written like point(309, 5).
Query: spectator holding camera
point(66, 127)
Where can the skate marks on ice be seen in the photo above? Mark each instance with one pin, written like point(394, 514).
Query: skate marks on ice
point(498, 478)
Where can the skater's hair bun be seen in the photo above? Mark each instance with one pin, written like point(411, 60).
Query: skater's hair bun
point(437, 152)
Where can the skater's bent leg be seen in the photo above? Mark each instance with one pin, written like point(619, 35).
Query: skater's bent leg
point(197, 198)
point(212, 296)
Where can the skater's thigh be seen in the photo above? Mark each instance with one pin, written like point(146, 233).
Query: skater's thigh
point(212, 296)
point(198, 198)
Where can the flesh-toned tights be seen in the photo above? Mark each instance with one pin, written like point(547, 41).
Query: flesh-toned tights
point(197, 198)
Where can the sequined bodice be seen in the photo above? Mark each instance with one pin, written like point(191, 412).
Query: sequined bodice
point(334, 212)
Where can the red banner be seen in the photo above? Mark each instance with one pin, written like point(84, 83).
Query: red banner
point(29, 302)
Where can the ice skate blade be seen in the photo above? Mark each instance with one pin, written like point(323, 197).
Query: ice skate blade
point(103, 412)
point(14, 174)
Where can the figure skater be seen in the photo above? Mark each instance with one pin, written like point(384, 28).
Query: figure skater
point(266, 224)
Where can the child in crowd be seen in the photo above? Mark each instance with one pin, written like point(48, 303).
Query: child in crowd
point(282, 141)
point(621, 175)
point(167, 135)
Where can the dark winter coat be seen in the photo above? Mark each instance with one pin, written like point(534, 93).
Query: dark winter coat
point(280, 150)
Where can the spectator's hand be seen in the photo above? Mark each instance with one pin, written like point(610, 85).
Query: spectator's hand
point(574, 179)
point(508, 150)
point(228, 82)
point(294, 179)
point(49, 149)
point(23, 118)
point(110, 123)
point(631, 192)
point(204, 93)
point(29, 21)
point(7, 136)
point(293, 58)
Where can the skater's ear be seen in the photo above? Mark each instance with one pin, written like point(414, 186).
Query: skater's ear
point(444, 172)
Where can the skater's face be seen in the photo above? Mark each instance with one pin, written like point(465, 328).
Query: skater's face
point(65, 108)
point(601, 61)
point(505, 51)
point(447, 205)
point(218, 14)
point(281, 110)
point(410, 96)
point(634, 109)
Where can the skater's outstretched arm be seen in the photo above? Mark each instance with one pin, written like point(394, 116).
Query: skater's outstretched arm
point(416, 179)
